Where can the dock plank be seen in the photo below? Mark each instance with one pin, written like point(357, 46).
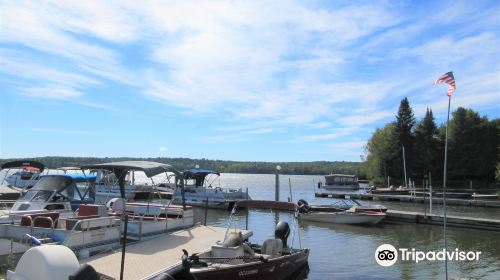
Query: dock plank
point(148, 257)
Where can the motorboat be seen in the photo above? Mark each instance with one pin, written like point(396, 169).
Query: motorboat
point(340, 182)
point(89, 230)
point(62, 193)
point(118, 179)
point(22, 174)
point(341, 205)
point(236, 258)
point(199, 190)
point(335, 215)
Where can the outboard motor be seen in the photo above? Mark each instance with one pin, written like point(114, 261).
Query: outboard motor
point(282, 232)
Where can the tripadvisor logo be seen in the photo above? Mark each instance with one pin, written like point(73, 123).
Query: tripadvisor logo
point(387, 255)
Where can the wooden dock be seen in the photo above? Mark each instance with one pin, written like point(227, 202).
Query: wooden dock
point(148, 257)
point(394, 216)
point(415, 199)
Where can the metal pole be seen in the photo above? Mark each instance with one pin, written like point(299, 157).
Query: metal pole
point(277, 186)
point(206, 210)
point(404, 165)
point(444, 187)
point(122, 268)
point(290, 187)
point(430, 194)
point(424, 182)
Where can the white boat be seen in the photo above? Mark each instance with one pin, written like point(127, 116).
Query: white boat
point(21, 174)
point(344, 217)
point(340, 182)
point(199, 191)
point(62, 193)
point(149, 219)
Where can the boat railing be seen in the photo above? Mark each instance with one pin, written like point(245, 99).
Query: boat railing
point(33, 220)
point(86, 225)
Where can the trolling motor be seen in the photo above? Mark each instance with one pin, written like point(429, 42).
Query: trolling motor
point(282, 232)
point(303, 206)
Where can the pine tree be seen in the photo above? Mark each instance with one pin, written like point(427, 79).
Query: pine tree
point(405, 120)
point(427, 146)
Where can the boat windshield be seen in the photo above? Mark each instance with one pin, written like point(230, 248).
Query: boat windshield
point(36, 195)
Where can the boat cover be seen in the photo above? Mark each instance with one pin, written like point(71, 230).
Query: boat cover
point(150, 168)
point(24, 163)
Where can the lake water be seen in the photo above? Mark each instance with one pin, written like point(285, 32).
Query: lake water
point(347, 252)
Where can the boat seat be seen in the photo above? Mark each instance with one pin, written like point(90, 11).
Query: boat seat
point(272, 247)
point(43, 221)
point(92, 210)
point(147, 211)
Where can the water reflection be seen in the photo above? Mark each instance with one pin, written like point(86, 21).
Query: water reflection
point(347, 251)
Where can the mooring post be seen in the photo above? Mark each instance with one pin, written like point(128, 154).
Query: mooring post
point(430, 194)
point(206, 210)
point(277, 184)
point(124, 246)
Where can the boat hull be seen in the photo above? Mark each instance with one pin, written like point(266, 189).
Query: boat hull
point(286, 267)
point(344, 217)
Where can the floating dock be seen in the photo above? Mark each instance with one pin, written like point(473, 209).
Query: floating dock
point(145, 258)
point(409, 198)
point(394, 216)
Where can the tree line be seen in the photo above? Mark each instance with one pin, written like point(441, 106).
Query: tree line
point(223, 166)
point(473, 149)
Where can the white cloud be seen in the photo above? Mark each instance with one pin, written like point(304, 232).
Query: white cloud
point(163, 149)
point(51, 92)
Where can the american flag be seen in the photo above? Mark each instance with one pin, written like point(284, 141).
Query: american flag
point(448, 79)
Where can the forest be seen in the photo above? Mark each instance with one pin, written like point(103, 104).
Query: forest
point(223, 166)
point(473, 149)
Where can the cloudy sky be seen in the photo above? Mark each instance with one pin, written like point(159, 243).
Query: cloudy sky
point(236, 80)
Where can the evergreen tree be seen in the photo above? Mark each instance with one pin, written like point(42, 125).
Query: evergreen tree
point(405, 121)
point(427, 146)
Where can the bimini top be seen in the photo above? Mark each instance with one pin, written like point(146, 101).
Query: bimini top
point(151, 168)
point(198, 173)
point(60, 181)
point(24, 164)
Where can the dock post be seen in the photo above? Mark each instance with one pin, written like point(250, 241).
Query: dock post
point(430, 194)
point(277, 184)
point(124, 246)
point(206, 210)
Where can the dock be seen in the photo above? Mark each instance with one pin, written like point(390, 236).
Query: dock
point(415, 199)
point(151, 256)
point(394, 216)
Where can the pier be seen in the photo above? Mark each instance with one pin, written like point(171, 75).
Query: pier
point(415, 199)
point(151, 256)
point(394, 216)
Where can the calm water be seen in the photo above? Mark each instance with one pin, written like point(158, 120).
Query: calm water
point(343, 251)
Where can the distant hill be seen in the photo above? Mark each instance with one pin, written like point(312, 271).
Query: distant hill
point(224, 166)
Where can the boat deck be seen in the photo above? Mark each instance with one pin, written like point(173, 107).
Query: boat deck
point(151, 256)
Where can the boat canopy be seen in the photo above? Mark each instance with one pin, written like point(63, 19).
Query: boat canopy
point(59, 182)
point(24, 164)
point(198, 173)
point(150, 168)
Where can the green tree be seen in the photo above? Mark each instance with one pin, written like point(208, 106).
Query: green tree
point(378, 153)
point(405, 121)
point(427, 157)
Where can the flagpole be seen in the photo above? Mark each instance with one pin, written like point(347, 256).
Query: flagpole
point(444, 188)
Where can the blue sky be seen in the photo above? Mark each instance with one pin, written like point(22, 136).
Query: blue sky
point(235, 80)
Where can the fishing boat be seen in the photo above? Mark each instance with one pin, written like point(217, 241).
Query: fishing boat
point(25, 173)
point(335, 215)
point(62, 193)
point(235, 258)
point(118, 179)
point(340, 182)
point(341, 205)
point(200, 191)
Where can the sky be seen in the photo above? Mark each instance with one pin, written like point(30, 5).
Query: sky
point(234, 80)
